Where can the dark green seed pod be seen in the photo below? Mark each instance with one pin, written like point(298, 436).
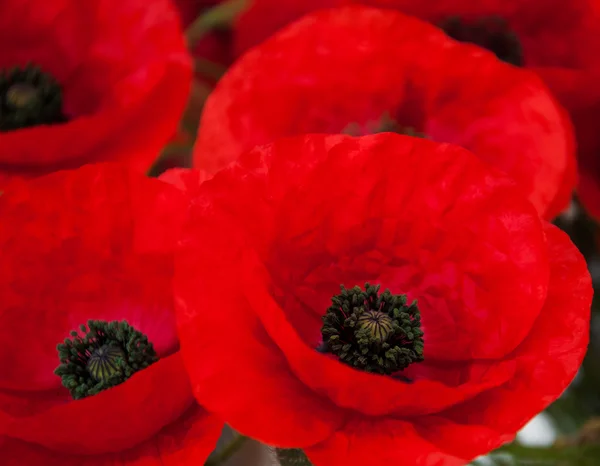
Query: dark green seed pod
point(29, 97)
point(373, 332)
point(107, 354)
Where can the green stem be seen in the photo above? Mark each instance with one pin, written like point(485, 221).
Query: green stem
point(230, 449)
point(222, 14)
point(191, 117)
point(209, 69)
point(165, 156)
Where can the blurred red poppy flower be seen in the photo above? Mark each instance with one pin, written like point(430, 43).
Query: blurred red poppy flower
point(95, 257)
point(556, 39)
point(89, 81)
point(347, 69)
point(585, 111)
point(367, 376)
point(526, 33)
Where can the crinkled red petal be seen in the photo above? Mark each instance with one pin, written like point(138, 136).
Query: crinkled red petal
point(549, 358)
point(115, 419)
point(379, 441)
point(236, 370)
point(187, 441)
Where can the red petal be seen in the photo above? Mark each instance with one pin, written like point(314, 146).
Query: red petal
point(115, 419)
point(466, 441)
point(236, 370)
point(549, 358)
point(377, 441)
point(184, 179)
point(187, 441)
point(356, 64)
point(125, 73)
point(225, 348)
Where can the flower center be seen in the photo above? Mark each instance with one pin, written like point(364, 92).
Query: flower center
point(105, 355)
point(377, 323)
point(386, 124)
point(29, 97)
point(373, 332)
point(491, 32)
point(104, 362)
point(389, 125)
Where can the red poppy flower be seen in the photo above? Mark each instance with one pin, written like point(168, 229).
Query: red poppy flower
point(585, 111)
point(502, 300)
point(548, 34)
point(89, 81)
point(348, 68)
point(97, 250)
point(558, 40)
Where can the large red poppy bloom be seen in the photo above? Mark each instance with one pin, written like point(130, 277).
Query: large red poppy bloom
point(349, 67)
point(107, 80)
point(98, 247)
point(504, 299)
